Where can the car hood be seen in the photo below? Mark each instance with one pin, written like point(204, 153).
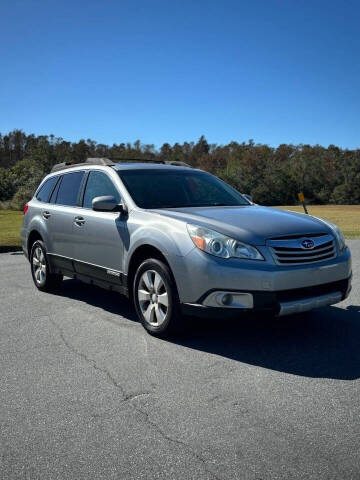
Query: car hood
point(249, 223)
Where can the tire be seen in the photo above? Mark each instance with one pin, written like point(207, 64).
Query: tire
point(156, 299)
point(43, 279)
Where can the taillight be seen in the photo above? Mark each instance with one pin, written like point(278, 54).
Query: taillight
point(26, 208)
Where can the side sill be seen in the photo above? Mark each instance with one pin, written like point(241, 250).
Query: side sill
point(90, 274)
point(113, 287)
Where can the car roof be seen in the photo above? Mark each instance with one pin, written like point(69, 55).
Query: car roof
point(118, 167)
point(126, 164)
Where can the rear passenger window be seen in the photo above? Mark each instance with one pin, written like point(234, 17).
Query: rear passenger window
point(99, 185)
point(45, 191)
point(69, 188)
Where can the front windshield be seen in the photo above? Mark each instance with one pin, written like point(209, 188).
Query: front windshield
point(177, 189)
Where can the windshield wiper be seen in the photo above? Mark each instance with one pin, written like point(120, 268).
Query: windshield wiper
point(222, 205)
point(218, 204)
point(194, 205)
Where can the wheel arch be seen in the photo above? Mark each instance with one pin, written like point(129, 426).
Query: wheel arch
point(140, 254)
point(33, 236)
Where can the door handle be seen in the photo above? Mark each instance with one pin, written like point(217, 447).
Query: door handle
point(79, 221)
point(46, 214)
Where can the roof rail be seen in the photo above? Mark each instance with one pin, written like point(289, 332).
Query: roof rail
point(89, 161)
point(139, 160)
point(177, 163)
point(110, 163)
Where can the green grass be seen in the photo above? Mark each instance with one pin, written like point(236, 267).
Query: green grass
point(10, 225)
point(347, 217)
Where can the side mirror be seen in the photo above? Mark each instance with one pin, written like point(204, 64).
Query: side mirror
point(248, 197)
point(107, 204)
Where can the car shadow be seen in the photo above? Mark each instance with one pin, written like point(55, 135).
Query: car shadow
point(324, 343)
point(11, 249)
point(111, 302)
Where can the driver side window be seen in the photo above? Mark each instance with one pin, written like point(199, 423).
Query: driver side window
point(99, 185)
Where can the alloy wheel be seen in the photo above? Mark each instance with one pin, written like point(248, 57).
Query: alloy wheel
point(39, 265)
point(153, 298)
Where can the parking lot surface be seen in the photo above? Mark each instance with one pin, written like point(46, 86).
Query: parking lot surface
point(86, 393)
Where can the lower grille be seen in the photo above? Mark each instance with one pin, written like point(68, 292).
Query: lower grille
point(292, 252)
point(314, 291)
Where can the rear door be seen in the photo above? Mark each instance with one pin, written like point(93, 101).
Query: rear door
point(45, 209)
point(63, 212)
point(98, 237)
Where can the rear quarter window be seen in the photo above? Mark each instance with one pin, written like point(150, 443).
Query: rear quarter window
point(45, 190)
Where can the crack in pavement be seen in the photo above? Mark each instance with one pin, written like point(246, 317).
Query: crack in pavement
point(129, 397)
point(176, 441)
point(88, 360)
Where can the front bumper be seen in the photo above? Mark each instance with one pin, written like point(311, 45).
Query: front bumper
point(285, 302)
point(198, 273)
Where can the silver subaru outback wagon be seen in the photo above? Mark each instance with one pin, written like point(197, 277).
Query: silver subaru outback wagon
point(179, 242)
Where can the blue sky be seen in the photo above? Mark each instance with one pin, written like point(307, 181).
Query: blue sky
point(114, 71)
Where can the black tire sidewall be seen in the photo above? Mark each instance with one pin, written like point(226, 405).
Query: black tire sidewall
point(172, 320)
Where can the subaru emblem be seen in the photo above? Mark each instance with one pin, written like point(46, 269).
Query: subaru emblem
point(308, 244)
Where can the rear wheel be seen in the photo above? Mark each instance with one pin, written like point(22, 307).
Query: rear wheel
point(42, 277)
point(156, 298)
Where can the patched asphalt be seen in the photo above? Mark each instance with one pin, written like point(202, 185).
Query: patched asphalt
point(87, 394)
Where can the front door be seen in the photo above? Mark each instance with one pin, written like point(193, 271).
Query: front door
point(98, 236)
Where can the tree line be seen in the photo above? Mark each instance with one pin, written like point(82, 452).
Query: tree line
point(273, 176)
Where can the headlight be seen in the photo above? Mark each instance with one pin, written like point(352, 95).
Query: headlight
point(220, 245)
point(337, 233)
point(339, 236)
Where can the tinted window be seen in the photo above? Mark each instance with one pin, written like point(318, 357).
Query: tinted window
point(45, 191)
point(98, 185)
point(54, 193)
point(69, 188)
point(175, 189)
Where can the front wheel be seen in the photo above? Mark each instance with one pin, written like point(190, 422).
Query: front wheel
point(43, 278)
point(156, 298)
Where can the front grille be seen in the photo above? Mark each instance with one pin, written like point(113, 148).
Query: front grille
point(290, 251)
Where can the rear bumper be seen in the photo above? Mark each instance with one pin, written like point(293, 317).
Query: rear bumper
point(24, 234)
point(283, 302)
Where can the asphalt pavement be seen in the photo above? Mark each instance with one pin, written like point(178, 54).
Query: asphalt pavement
point(86, 393)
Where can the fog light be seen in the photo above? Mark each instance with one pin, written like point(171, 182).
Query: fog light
point(227, 299)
